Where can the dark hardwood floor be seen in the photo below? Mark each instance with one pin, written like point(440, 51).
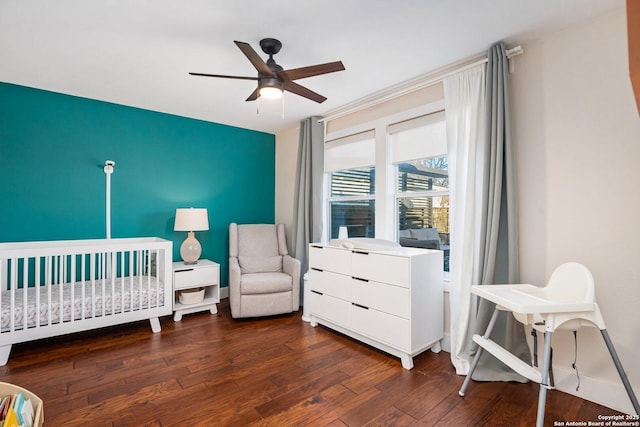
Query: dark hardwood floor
point(211, 370)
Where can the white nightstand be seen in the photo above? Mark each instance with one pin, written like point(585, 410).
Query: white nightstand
point(205, 274)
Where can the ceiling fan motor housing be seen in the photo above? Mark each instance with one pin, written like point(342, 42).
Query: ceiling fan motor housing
point(270, 46)
point(275, 82)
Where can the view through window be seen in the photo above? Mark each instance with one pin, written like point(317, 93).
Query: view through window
point(423, 204)
point(352, 202)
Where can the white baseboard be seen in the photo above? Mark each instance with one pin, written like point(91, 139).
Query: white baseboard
point(446, 342)
point(607, 394)
point(224, 292)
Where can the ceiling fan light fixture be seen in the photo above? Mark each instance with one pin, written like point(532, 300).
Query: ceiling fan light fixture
point(271, 92)
point(271, 88)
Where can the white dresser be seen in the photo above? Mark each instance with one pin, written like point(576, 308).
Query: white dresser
point(391, 300)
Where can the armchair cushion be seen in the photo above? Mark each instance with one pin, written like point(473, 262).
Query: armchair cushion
point(415, 243)
point(425, 233)
point(427, 238)
point(265, 283)
point(404, 233)
point(259, 240)
point(254, 264)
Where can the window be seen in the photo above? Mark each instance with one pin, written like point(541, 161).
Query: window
point(352, 202)
point(352, 184)
point(422, 188)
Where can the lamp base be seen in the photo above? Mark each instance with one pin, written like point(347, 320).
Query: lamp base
point(190, 250)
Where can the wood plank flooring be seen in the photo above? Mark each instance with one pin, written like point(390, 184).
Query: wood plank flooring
point(212, 370)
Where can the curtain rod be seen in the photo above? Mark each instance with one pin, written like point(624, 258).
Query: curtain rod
point(412, 85)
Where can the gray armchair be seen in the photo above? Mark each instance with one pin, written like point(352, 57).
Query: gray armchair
point(263, 278)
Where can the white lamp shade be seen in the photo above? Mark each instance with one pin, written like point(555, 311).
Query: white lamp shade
point(191, 219)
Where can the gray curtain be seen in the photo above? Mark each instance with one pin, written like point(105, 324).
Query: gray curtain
point(308, 193)
point(499, 229)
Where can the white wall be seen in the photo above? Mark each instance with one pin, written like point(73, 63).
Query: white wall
point(578, 145)
point(577, 136)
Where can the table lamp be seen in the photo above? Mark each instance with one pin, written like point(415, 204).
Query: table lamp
point(191, 219)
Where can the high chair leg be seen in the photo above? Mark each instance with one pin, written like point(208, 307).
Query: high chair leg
point(623, 375)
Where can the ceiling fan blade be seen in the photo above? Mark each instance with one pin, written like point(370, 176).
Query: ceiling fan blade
point(253, 96)
point(313, 70)
point(303, 91)
point(254, 58)
point(224, 76)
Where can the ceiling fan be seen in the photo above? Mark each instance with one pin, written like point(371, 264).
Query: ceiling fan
point(272, 78)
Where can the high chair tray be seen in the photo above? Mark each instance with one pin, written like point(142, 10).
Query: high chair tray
point(529, 299)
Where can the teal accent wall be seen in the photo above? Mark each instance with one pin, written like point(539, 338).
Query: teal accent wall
point(52, 184)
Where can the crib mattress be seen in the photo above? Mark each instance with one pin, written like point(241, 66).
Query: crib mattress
point(123, 294)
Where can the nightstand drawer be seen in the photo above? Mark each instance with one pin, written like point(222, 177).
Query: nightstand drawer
point(193, 277)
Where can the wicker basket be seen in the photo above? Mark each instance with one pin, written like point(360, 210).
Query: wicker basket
point(191, 296)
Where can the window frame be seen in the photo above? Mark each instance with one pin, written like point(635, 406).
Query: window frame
point(385, 176)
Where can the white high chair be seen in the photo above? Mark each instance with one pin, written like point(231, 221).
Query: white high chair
point(567, 302)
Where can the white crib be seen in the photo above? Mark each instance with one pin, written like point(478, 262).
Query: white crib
point(60, 287)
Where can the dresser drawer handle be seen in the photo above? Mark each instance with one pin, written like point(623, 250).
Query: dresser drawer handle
point(317, 247)
point(360, 279)
point(360, 306)
point(183, 270)
point(316, 292)
point(317, 269)
point(361, 253)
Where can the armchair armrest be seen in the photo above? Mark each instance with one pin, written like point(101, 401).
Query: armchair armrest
point(234, 286)
point(292, 266)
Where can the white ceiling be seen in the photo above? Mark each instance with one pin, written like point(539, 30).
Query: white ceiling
point(138, 52)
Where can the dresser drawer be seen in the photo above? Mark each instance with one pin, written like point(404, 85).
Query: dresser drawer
point(387, 328)
point(330, 308)
point(381, 268)
point(327, 282)
point(193, 277)
point(381, 296)
point(330, 259)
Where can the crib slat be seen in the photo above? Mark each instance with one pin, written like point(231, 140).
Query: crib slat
point(122, 274)
point(49, 266)
point(131, 276)
point(139, 275)
point(13, 283)
point(25, 289)
point(104, 279)
point(112, 275)
point(72, 280)
point(3, 280)
point(36, 286)
point(83, 263)
point(60, 281)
